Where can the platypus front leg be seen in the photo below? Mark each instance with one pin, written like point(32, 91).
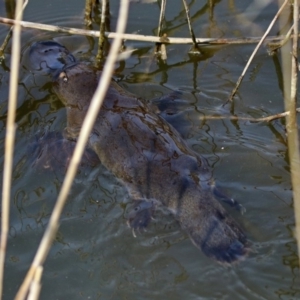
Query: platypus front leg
point(230, 201)
point(140, 214)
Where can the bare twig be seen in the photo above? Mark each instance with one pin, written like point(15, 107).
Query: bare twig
point(10, 138)
point(160, 48)
point(275, 46)
point(143, 38)
point(263, 119)
point(161, 17)
point(274, 117)
point(254, 52)
point(195, 49)
point(8, 36)
point(82, 139)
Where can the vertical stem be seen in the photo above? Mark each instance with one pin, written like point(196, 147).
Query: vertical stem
point(101, 40)
point(9, 139)
point(87, 125)
point(88, 12)
point(187, 11)
point(293, 139)
point(238, 83)
point(161, 16)
point(289, 72)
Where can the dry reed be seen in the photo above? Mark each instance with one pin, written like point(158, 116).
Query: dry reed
point(290, 68)
point(89, 120)
point(255, 51)
point(32, 280)
point(10, 138)
point(101, 40)
point(142, 38)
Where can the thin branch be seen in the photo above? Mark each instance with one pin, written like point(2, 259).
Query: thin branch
point(195, 49)
point(88, 123)
point(237, 118)
point(254, 52)
point(160, 48)
point(10, 138)
point(161, 17)
point(275, 46)
point(143, 38)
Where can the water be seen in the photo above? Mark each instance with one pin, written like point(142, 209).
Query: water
point(95, 255)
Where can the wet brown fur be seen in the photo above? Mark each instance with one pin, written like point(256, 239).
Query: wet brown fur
point(150, 157)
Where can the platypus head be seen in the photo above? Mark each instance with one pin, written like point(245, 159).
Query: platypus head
point(75, 85)
point(49, 57)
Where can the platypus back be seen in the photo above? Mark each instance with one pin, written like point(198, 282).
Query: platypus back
point(150, 157)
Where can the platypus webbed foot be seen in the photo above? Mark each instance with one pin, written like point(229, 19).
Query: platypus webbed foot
point(229, 253)
point(218, 236)
point(140, 214)
point(230, 201)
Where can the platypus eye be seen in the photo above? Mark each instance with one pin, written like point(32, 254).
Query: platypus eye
point(63, 76)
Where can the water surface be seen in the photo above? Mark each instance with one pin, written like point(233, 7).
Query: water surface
point(95, 255)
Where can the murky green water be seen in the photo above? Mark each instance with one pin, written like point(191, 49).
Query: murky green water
point(95, 255)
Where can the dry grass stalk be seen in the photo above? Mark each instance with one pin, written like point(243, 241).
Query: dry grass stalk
point(160, 49)
point(138, 37)
point(195, 49)
point(237, 118)
point(292, 128)
point(255, 51)
point(35, 287)
point(82, 139)
point(161, 17)
point(10, 138)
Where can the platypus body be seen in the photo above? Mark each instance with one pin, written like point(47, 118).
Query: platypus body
point(152, 160)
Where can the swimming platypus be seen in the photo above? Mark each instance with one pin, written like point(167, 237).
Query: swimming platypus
point(153, 161)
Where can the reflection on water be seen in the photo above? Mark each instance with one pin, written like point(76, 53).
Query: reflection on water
point(94, 254)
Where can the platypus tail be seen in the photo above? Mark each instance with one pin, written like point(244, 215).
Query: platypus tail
point(213, 230)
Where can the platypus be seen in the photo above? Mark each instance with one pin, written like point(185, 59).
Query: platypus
point(152, 160)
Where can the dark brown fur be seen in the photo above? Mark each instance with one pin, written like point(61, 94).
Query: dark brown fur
point(150, 157)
